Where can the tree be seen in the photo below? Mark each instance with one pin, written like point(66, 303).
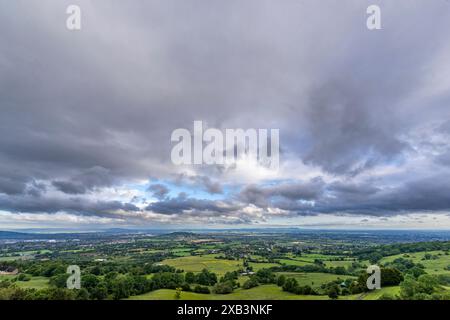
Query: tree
point(223, 288)
point(201, 289)
point(333, 292)
point(100, 292)
point(230, 276)
point(290, 285)
point(416, 272)
point(178, 294)
point(420, 289)
point(189, 277)
point(23, 277)
point(82, 294)
point(89, 281)
point(265, 276)
point(59, 280)
point(206, 278)
point(251, 283)
point(391, 277)
point(281, 280)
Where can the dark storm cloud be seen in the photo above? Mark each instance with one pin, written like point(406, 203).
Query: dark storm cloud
point(426, 194)
point(349, 134)
point(11, 187)
point(86, 181)
point(70, 205)
point(82, 111)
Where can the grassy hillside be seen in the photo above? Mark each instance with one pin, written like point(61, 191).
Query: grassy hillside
point(314, 279)
point(437, 265)
point(266, 292)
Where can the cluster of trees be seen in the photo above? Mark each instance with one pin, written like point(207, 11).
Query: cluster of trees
point(262, 276)
point(374, 255)
point(407, 266)
point(227, 283)
point(205, 278)
point(112, 285)
point(316, 267)
point(291, 285)
point(425, 287)
point(8, 267)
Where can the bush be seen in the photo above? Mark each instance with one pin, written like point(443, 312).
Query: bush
point(386, 296)
point(305, 290)
point(223, 287)
point(202, 289)
point(251, 283)
point(333, 292)
point(23, 277)
point(290, 285)
point(391, 277)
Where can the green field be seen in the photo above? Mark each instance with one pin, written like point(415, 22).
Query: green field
point(35, 282)
point(293, 262)
point(345, 263)
point(314, 279)
point(265, 292)
point(6, 277)
point(376, 294)
point(182, 252)
point(198, 263)
point(262, 265)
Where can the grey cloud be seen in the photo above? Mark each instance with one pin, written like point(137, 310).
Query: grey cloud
point(71, 205)
point(11, 187)
point(86, 181)
point(201, 181)
point(210, 186)
point(69, 187)
point(160, 191)
point(92, 109)
point(262, 196)
point(182, 203)
point(422, 194)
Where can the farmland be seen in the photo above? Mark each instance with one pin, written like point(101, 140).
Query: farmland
point(198, 263)
point(302, 265)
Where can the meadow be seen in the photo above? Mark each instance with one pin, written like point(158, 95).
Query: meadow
point(264, 292)
point(240, 266)
point(437, 264)
point(198, 263)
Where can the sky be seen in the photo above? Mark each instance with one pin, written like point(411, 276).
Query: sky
point(87, 115)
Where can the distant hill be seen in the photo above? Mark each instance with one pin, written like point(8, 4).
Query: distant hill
point(179, 234)
point(16, 235)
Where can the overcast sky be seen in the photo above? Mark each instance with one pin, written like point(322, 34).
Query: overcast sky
point(86, 116)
